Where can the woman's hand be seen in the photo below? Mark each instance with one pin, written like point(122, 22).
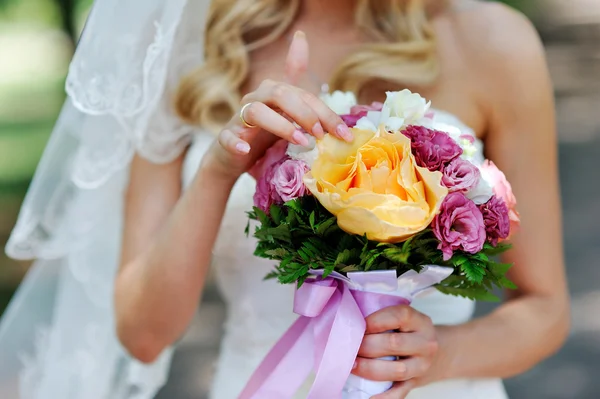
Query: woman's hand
point(274, 111)
point(415, 345)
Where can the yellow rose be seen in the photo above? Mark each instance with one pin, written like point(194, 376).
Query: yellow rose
point(374, 186)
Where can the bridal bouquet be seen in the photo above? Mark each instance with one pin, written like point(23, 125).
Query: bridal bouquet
point(364, 225)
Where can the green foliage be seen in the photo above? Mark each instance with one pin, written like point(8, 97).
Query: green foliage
point(303, 236)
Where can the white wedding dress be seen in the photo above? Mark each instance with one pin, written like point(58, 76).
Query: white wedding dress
point(259, 312)
point(57, 337)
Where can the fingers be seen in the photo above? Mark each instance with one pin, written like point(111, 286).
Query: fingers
point(331, 121)
point(288, 100)
point(403, 318)
point(387, 370)
point(296, 62)
point(296, 66)
point(233, 143)
point(396, 344)
point(261, 116)
point(399, 391)
point(303, 107)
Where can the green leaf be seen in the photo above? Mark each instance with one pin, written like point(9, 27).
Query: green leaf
point(261, 216)
point(477, 294)
point(247, 229)
point(346, 242)
point(490, 250)
point(312, 220)
point(473, 270)
point(276, 213)
point(322, 227)
point(504, 282)
point(301, 280)
point(328, 270)
point(481, 256)
point(459, 260)
point(305, 257)
point(281, 232)
point(271, 276)
point(350, 268)
point(396, 255)
point(343, 257)
point(295, 205)
point(499, 269)
point(276, 253)
point(296, 271)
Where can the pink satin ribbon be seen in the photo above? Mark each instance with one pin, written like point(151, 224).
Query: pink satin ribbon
point(325, 338)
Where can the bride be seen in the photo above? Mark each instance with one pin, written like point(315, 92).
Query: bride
point(148, 160)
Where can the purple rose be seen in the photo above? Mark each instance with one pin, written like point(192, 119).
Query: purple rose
point(460, 175)
point(288, 179)
point(432, 149)
point(496, 219)
point(459, 226)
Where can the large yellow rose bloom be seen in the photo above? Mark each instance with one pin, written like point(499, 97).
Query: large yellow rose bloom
point(374, 186)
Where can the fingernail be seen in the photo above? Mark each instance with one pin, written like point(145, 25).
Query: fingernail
point(244, 148)
point(344, 132)
point(355, 365)
point(317, 130)
point(299, 138)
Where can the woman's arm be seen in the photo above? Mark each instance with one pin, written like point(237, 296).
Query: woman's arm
point(507, 59)
point(167, 247)
point(534, 321)
point(168, 240)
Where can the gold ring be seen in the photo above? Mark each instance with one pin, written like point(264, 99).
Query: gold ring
point(242, 117)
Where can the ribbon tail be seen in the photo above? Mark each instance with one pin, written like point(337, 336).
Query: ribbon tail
point(341, 348)
point(286, 366)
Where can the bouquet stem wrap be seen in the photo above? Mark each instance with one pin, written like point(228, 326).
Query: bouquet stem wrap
point(327, 335)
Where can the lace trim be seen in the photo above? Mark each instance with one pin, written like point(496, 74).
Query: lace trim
point(76, 367)
point(103, 94)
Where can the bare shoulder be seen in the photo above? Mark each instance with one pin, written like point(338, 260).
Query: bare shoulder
point(496, 36)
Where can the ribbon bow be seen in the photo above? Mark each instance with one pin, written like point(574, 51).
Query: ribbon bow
point(327, 335)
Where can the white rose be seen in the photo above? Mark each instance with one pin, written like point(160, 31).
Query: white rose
point(365, 123)
point(406, 105)
point(339, 101)
point(483, 191)
point(401, 108)
point(307, 154)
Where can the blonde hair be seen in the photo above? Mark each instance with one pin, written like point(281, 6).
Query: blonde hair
point(402, 52)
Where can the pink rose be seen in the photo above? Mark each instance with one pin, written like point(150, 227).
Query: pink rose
point(459, 226)
point(470, 138)
point(432, 149)
point(359, 111)
point(273, 155)
point(288, 179)
point(375, 106)
point(265, 194)
point(502, 189)
point(460, 175)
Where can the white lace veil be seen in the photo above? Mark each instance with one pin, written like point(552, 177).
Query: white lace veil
point(57, 336)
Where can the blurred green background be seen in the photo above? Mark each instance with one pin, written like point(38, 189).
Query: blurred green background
point(36, 43)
